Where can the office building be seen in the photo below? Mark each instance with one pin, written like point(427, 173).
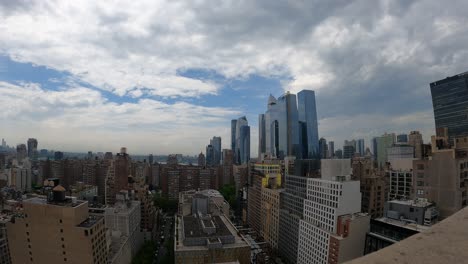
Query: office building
point(339, 154)
point(383, 143)
point(333, 230)
point(72, 235)
point(416, 141)
point(308, 129)
point(323, 148)
point(289, 127)
point(360, 147)
point(449, 100)
point(216, 143)
point(203, 234)
point(32, 148)
point(21, 152)
point(240, 140)
point(348, 151)
point(331, 149)
point(210, 155)
point(201, 159)
point(58, 155)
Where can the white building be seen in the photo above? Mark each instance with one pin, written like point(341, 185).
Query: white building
point(20, 177)
point(333, 230)
point(123, 228)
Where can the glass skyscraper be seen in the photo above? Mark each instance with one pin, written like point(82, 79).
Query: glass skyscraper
point(450, 102)
point(308, 116)
point(240, 140)
point(289, 126)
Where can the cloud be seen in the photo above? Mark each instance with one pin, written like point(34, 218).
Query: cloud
point(365, 58)
point(80, 118)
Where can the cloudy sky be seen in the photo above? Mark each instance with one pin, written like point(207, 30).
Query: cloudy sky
point(165, 76)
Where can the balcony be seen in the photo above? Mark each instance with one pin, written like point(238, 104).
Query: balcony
point(445, 242)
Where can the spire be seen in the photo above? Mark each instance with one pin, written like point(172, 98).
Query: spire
point(271, 100)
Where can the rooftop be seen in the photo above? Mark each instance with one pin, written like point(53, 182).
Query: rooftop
point(415, 203)
point(68, 202)
point(192, 227)
point(403, 224)
point(91, 221)
point(444, 242)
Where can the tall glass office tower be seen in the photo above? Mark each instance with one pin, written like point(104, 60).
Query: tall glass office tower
point(308, 116)
point(450, 102)
point(240, 140)
point(289, 126)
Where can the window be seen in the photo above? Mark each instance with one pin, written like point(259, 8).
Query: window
point(420, 166)
point(61, 230)
point(86, 232)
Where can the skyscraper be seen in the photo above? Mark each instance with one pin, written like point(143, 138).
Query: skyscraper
point(32, 147)
point(415, 140)
point(323, 148)
point(209, 155)
point(450, 100)
point(289, 126)
point(261, 136)
point(360, 147)
point(216, 143)
point(308, 117)
point(383, 143)
point(241, 134)
point(331, 149)
point(21, 152)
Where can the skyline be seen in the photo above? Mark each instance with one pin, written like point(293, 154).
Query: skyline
point(166, 77)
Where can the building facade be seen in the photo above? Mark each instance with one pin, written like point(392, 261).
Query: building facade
point(449, 100)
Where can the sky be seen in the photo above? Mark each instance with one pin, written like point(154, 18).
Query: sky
point(165, 76)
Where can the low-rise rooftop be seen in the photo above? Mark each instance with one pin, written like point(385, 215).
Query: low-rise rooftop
point(445, 242)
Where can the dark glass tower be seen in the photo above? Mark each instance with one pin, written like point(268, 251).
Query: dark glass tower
point(450, 102)
point(308, 114)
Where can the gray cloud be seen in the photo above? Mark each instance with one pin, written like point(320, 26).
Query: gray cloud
point(360, 56)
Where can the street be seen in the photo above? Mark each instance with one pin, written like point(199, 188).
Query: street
point(162, 238)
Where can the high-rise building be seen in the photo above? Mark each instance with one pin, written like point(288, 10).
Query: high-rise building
point(415, 139)
point(449, 99)
point(289, 126)
point(210, 155)
point(242, 140)
point(117, 175)
point(150, 158)
point(58, 229)
point(261, 136)
point(348, 151)
point(339, 154)
point(233, 135)
point(331, 149)
point(21, 152)
point(201, 159)
point(383, 143)
point(58, 155)
point(308, 129)
point(216, 143)
point(361, 149)
point(374, 148)
point(32, 148)
point(333, 230)
point(373, 186)
point(323, 148)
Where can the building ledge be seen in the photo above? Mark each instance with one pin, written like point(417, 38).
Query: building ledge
point(445, 242)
